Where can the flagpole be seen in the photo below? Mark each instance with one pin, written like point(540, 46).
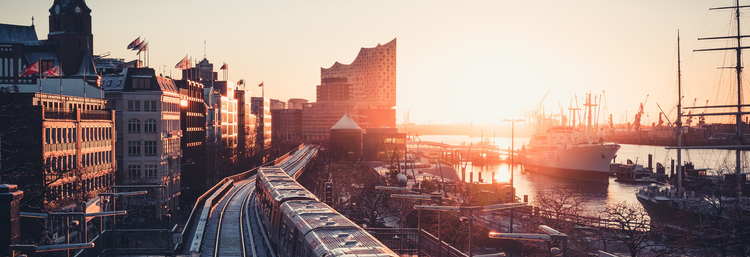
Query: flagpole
point(84, 88)
point(60, 77)
point(39, 70)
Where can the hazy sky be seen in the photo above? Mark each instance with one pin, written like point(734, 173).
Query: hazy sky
point(458, 61)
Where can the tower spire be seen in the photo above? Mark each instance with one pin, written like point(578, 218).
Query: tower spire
point(204, 49)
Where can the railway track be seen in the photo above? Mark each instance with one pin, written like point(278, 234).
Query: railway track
point(233, 229)
point(231, 239)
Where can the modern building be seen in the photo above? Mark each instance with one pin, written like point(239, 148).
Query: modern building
point(193, 141)
point(380, 144)
point(246, 124)
point(287, 125)
point(295, 103)
point(203, 72)
point(334, 89)
point(261, 107)
point(148, 138)
point(372, 75)
point(277, 104)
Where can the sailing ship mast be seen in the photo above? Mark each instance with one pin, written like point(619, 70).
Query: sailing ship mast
point(738, 70)
point(679, 115)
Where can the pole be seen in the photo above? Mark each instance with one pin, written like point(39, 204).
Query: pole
point(419, 232)
point(512, 154)
point(471, 254)
point(738, 154)
point(679, 116)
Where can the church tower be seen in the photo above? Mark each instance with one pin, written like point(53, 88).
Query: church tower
point(70, 30)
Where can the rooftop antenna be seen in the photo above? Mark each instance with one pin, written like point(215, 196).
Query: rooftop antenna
point(204, 49)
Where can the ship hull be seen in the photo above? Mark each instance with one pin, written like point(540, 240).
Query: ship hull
point(589, 163)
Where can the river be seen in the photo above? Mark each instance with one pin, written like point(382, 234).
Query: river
point(597, 196)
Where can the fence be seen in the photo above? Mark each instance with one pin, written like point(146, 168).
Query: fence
point(404, 241)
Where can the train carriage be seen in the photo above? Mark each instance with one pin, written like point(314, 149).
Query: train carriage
point(312, 228)
point(298, 224)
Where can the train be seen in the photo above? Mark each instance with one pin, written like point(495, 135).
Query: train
point(298, 224)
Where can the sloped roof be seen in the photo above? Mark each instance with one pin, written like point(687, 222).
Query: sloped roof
point(167, 84)
point(346, 123)
point(87, 67)
point(17, 34)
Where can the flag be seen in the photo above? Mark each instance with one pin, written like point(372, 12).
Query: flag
point(135, 43)
point(54, 72)
point(261, 84)
point(142, 47)
point(183, 64)
point(224, 67)
point(241, 82)
point(31, 69)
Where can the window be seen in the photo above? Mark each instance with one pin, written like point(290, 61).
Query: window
point(150, 171)
point(134, 126)
point(150, 126)
point(149, 106)
point(134, 147)
point(134, 106)
point(134, 171)
point(150, 147)
point(142, 83)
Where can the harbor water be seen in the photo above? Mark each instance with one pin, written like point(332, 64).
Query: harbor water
point(597, 195)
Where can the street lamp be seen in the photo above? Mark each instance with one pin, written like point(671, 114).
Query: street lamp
point(468, 212)
point(512, 154)
point(551, 234)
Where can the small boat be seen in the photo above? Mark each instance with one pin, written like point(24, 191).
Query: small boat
point(634, 173)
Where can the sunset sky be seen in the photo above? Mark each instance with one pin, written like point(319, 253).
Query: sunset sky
point(458, 61)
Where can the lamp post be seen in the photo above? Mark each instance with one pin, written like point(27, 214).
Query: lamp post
point(402, 210)
point(468, 212)
point(433, 197)
point(512, 154)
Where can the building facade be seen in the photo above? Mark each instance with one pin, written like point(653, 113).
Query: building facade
point(295, 103)
point(277, 104)
point(67, 154)
point(149, 137)
point(287, 125)
point(261, 107)
point(193, 141)
point(333, 89)
point(246, 123)
point(319, 117)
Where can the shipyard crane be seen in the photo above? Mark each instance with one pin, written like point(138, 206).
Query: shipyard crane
point(638, 115)
point(606, 109)
point(702, 119)
point(665, 115)
point(690, 118)
point(535, 112)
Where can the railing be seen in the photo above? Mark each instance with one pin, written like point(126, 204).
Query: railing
point(400, 240)
point(59, 114)
point(428, 246)
point(70, 114)
point(96, 115)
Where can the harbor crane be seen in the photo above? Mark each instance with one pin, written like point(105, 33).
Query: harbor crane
point(638, 115)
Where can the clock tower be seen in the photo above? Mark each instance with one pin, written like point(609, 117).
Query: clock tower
point(70, 30)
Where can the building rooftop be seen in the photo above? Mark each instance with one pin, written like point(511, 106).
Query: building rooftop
point(17, 34)
point(346, 123)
